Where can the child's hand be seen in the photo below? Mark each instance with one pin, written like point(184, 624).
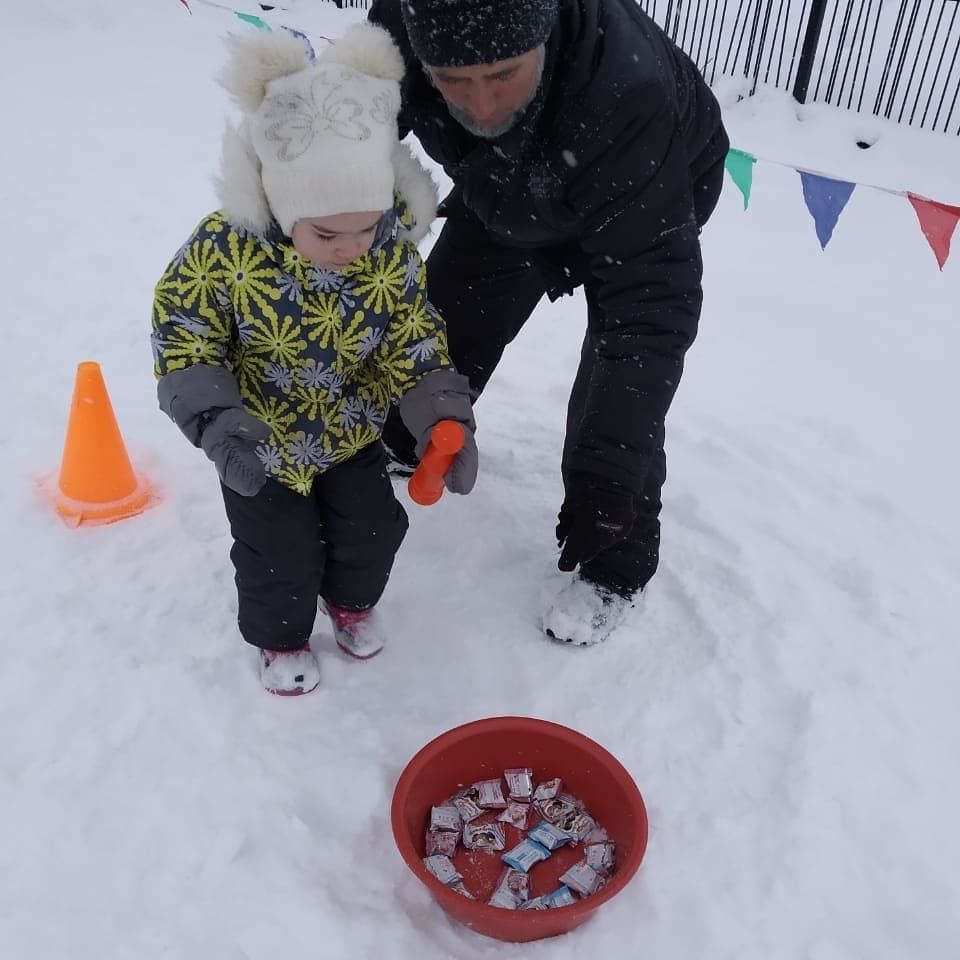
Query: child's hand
point(204, 402)
point(444, 395)
point(229, 439)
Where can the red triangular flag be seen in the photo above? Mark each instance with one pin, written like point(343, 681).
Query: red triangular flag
point(937, 221)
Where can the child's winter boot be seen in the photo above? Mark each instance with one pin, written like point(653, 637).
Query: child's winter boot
point(289, 673)
point(357, 632)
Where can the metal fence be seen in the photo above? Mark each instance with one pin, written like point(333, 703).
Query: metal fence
point(898, 59)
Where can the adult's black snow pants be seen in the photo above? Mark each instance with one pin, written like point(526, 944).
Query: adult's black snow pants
point(338, 543)
point(486, 292)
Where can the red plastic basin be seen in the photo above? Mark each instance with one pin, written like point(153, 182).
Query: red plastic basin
point(483, 749)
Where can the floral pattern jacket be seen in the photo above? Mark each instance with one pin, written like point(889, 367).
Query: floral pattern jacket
point(319, 355)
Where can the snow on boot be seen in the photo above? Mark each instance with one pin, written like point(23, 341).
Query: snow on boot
point(357, 632)
point(584, 613)
point(289, 673)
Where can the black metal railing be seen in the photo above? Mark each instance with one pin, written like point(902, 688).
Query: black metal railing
point(898, 59)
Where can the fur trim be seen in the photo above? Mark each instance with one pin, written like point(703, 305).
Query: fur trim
point(416, 186)
point(368, 49)
point(239, 186)
point(258, 58)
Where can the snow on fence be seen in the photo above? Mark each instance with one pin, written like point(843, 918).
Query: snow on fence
point(898, 59)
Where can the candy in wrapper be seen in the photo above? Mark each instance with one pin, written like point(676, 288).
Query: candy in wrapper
point(525, 854)
point(503, 899)
point(466, 805)
point(577, 824)
point(442, 841)
point(537, 903)
point(490, 794)
point(443, 869)
point(582, 878)
point(601, 857)
point(484, 836)
point(561, 897)
point(517, 814)
point(462, 890)
point(548, 789)
point(549, 835)
point(597, 835)
point(559, 808)
point(512, 891)
point(446, 817)
point(519, 782)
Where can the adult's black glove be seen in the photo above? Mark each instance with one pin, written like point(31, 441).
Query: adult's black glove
point(594, 517)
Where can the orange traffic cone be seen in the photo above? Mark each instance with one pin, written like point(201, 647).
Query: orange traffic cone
point(96, 483)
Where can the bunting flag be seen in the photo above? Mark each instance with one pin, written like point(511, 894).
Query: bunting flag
point(825, 199)
point(825, 196)
point(255, 21)
point(937, 221)
point(739, 165)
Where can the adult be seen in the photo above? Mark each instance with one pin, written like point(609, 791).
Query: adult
point(586, 151)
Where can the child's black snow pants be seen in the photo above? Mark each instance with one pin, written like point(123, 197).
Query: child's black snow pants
point(338, 543)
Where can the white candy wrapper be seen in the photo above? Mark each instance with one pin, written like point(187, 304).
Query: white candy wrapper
point(484, 836)
point(597, 835)
point(490, 794)
point(601, 857)
point(445, 817)
point(577, 824)
point(443, 869)
point(466, 805)
point(519, 782)
point(548, 789)
point(557, 809)
point(512, 891)
point(442, 841)
point(582, 878)
point(517, 814)
point(537, 903)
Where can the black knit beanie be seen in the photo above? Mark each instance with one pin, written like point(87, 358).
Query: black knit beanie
point(464, 33)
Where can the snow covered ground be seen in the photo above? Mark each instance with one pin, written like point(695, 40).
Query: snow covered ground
point(785, 695)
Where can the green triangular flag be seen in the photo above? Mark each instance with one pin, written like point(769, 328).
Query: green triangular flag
point(256, 21)
point(740, 166)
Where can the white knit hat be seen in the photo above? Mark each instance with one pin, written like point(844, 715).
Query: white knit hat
point(324, 132)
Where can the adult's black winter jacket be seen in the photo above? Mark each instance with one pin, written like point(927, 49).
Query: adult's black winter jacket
point(597, 183)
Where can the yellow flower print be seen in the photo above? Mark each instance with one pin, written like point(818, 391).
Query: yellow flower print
point(413, 321)
point(196, 277)
point(322, 318)
point(280, 340)
point(299, 476)
point(273, 411)
point(356, 438)
point(383, 282)
point(250, 275)
point(294, 262)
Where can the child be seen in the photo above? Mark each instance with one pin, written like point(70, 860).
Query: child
point(288, 323)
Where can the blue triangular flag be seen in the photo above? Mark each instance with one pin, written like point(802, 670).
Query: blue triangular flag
point(825, 199)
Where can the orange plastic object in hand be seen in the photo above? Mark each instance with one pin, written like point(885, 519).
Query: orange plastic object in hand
point(446, 441)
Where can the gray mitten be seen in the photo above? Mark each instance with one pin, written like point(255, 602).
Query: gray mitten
point(229, 439)
point(204, 402)
point(443, 395)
